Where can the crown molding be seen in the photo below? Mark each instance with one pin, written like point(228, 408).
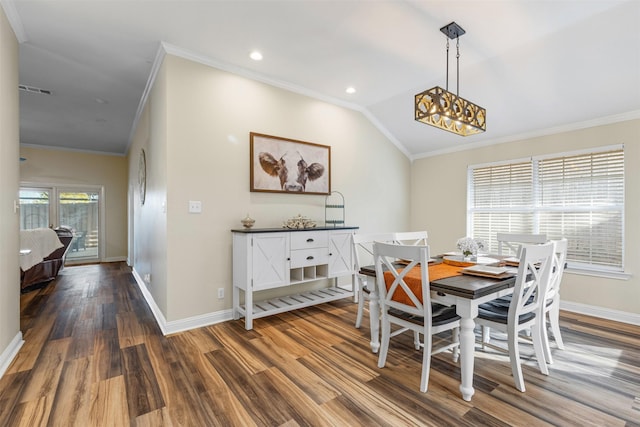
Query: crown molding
point(601, 121)
point(75, 150)
point(167, 48)
point(13, 17)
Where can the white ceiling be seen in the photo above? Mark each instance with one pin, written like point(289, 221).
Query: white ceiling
point(536, 66)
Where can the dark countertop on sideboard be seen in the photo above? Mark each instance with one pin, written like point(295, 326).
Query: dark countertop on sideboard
point(279, 230)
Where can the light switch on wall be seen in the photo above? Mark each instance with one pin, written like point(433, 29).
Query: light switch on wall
point(195, 206)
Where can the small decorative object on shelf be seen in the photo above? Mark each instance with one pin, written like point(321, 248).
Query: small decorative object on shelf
point(247, 222)
point(470, 246)
point(334, 209)
point(299, 222)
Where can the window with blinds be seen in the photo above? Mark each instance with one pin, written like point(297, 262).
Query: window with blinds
point(579, 196)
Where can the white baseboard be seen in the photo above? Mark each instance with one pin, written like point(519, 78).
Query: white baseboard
point(115, 259)
point(202, 320)
point(604, 313)
point(180, 325)
point(10, 353)
point(198, 321)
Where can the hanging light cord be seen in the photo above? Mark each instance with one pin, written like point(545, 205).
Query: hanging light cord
point(447, 85)
point(457, 65)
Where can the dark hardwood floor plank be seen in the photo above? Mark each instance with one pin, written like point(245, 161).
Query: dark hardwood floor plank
point(65, 321)
point(236, 340)
point(35, 339)
point(11, 389)
point(44, 377)
point(107, 358)
point(143, 392)
point(82, 339)
point(162, 356)
point(94, 356)
point(192, 409)
point(130, 331)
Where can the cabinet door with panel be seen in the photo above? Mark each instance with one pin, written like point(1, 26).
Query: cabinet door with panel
point(340, 253)
point(270, 260)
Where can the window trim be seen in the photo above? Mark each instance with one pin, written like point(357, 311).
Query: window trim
point(573, 268)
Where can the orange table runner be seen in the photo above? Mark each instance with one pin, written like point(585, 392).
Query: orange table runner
point(413, 280)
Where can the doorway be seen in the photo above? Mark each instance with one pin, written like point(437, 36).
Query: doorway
point(78, 208)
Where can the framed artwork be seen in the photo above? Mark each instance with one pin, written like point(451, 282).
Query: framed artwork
point(142, 175)
point(282, 165)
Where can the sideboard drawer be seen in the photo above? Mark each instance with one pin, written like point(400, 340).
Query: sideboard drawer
point(309, 239)
point(309, 257)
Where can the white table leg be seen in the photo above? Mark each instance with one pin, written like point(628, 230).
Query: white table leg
point(468, 311)
point(374, 319)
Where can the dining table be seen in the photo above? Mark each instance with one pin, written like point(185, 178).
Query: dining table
point(466, 292)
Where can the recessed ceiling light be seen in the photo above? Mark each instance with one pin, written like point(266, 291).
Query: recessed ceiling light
point(255, 55)
point(350, 90)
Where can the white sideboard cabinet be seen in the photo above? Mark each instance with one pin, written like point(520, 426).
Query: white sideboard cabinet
point(271, 258)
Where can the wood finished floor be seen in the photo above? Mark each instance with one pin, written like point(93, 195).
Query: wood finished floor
point(94, 356)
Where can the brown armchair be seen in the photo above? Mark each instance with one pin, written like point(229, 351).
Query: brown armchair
point(47, 270)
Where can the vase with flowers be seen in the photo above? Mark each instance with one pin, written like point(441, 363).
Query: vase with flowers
point(470, 247)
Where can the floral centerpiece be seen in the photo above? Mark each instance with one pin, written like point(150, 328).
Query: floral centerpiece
point(470, 246)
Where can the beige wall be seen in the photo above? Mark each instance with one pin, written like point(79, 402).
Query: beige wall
point(149, 225)
point(9, 160)
point(57, 167)
point(202, 117)
point(439, 203)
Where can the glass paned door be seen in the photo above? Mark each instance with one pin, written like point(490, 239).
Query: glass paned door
point(35, 208)
point(79, 210)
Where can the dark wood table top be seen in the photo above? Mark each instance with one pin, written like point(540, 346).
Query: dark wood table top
point(466, 286)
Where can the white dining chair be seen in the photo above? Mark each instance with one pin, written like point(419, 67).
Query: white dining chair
point(409, 310)
point(552, 300)
point(525, 310)
point(362, 245)
point(411, 238)
point(363, 255)
point(511, 243)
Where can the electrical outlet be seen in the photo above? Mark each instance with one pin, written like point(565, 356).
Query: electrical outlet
point(220, 293)
point(195, 206)
point(147, 278)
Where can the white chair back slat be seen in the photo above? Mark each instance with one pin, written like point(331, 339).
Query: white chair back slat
point(532, 281)
point(511, 243)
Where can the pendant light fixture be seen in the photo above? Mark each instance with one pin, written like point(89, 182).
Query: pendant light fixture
point(440, 108)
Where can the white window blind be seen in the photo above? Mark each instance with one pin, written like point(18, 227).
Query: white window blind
point(577, 196)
